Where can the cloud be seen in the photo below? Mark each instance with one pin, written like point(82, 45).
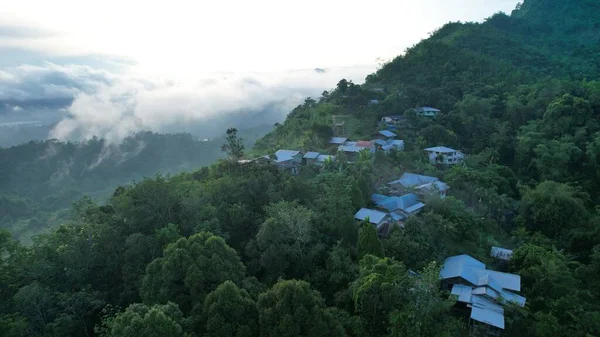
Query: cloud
point(89, 102)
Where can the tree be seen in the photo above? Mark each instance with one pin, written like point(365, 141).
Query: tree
point(292, 309)
point(284, 240)
point(229, 311)
point(139, 320)
point(234, 146)
point(368, 242)
point(428, 311)
point(382, 287)
point(553, 208)
point(189, 269)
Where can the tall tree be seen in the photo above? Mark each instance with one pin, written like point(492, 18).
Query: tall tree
point(234, 146)
point(292, 309)
point(368, 241)
point(229, 311)
point(189, 269)
point(140, 320)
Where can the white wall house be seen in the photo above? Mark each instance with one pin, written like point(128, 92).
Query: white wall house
point(444, 155)
point(427, 111)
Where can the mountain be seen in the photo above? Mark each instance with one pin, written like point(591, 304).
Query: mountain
point(242, 248)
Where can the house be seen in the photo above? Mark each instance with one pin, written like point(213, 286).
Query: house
point(373, 101)
point(338, 140)
point(427, 111)
point(481, 291)
point(444, 155)
point(352, 149)
point(381, 220)
point(386, 135)
point(501, 253)
point(323, 158)
point(399, 208)
point(310, 158)
point(422, 185)
point(385, 141)
point(394, 119)
point(288, 160)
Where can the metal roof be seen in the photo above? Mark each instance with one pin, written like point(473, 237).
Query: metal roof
point(285, 155)
point(428, 108)
point(311, 155)
point(413, 180)
point(378, 197)
point(407, 203)
point(380, 142)
point(387, 133)
point(461, 266)
point(501, 253)
point(324, 157)
point(463, 292)
point(434, 186)
point(506, 280)
point(350, 148)
point(487, 316)
point(441, 149)
point(375, 217)
point(337, 140)
point(364, 143)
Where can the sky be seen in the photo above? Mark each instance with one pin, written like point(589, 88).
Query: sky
point(91, 64)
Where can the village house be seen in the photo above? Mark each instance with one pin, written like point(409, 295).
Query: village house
point(444, 155)
point(310, 158)
point(423, 186)
point(501, 253)
point(289, 160)
point(394, 119)
point(323, 158)
point(380, 220)
point(338, 140)
point(480, 292)
point(399, 208)
point(427, 111)
point(384, 140)
point(352, 149)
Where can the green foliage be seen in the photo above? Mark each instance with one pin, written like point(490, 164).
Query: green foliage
point(189, 269)
point(230, 311)
point(292, 309)
point(140, 320)
point(234, 146)
point(368, 242)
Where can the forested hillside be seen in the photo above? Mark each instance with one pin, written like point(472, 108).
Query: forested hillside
point(249, 250)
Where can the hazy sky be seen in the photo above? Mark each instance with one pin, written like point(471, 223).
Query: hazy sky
point(187, 37)
point(113, 67)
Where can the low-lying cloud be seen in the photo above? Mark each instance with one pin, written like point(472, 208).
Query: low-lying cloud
point(89, 102)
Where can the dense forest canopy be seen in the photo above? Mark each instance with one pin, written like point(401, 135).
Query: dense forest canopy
point(245, 249)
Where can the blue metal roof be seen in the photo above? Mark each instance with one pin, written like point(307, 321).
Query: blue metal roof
point(461, 266)
point(380, 142)
point(428, 108)
point(397, 216)
point(323, 157)
point(407, 203)
point(463, 292)
point(487, 316)
point(378, 197)
point(337, 140)
point(285, 155)
point(311, 155)
point(346, 148)
point(507, 281)
point(412, 180)
point(441, 149)
point(375, 217)
point(387, 133)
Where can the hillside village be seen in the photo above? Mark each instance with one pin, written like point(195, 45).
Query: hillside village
point(481, 293)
